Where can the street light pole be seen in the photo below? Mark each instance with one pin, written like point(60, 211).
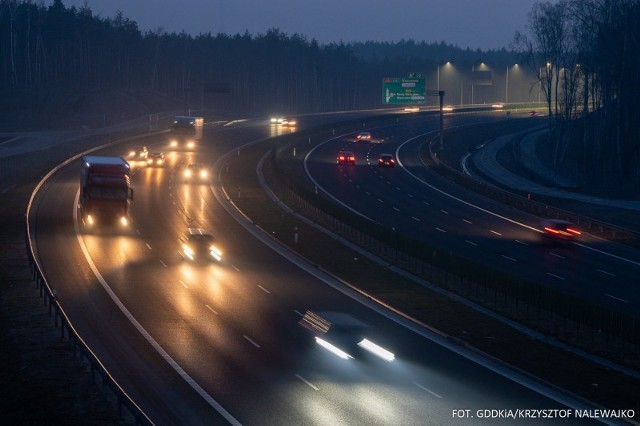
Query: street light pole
point(473, 69)
point(506, 88)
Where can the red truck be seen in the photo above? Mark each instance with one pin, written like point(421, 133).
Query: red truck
point(105, 190)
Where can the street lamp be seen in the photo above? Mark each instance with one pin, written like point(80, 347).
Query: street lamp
point(506, 85)
point(448, 63)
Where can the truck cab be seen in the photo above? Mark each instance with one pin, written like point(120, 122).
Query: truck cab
point(105, 191)
point(185, 133)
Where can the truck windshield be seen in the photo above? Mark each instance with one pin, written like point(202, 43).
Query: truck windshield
point(108, 193)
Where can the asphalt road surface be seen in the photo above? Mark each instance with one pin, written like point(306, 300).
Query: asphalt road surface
point(220, 342)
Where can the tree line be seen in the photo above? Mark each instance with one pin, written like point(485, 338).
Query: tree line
point(56, 46)
point(586, 55)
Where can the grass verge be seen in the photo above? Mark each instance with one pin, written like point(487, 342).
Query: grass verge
point(566, 370)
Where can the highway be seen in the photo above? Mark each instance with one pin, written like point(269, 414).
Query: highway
point(418, 202)
point(220, 343)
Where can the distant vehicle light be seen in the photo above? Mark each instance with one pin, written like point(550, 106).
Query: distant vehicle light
point(187, 173)
point(497, 106)
point(124, 221)
point(447, 108)
point(174, 144)
point(365, 136)
point(90, 219)
point(190, 144)
point(346, 157)
point(559, 230)
point(333, 349)
point(203, 173)
point(412, 109)
point(377, 350)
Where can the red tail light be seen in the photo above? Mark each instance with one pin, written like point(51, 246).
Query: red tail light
point(574, 231)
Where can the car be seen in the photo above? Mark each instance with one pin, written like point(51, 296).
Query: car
point(155, 159)
point(559, 231)
point(183, 143)
point(138, 153)
point(344, 335)
point(346, 157)
point(386, 160)
point(195, 172)
point(199, 245)
point(363, 136)
point(283, 121)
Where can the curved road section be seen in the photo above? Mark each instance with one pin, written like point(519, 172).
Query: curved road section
point(220, 342)
point(417, 202)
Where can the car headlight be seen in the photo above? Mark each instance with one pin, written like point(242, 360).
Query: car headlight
point(187, 173)
point(333, 349)
point(377, 350)
point(174, 143)
point(215, 253)
point(203, 173)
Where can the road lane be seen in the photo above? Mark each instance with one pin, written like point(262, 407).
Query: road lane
point(232, 327)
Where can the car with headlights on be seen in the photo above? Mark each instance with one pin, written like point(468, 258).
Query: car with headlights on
point(195, 173)
point(346, 157)
point(558, 231)
point(199, 245)
point(138, 153)
point(386, 160)
point(283, 121)
point(155, 159)
point(344, 335)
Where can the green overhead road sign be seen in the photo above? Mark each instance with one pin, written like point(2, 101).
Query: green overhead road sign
point(402, 91)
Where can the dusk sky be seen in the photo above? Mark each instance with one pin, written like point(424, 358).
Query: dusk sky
point(484, 24)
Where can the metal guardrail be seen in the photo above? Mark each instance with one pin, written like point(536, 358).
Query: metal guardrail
point(65, 151)
point(521, 202)
point(590, 326)
point(123, 401)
